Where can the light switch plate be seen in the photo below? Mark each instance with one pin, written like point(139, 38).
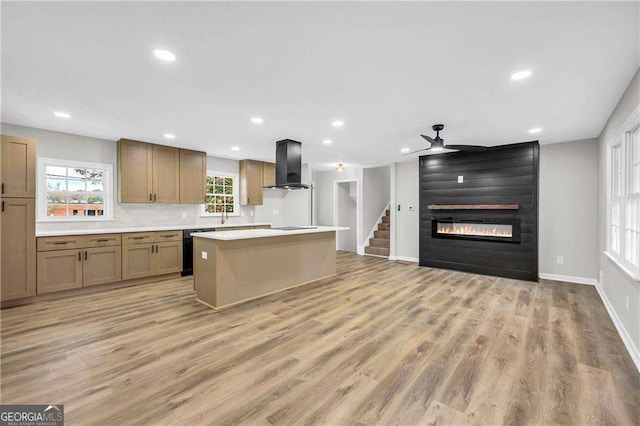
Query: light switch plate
point(460, 179)
point(411, 208)
point(204, 254)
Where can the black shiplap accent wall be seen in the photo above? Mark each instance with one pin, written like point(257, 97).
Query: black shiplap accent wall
point(502, 175)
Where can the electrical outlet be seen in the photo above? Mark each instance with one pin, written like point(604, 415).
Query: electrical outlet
point(460, 179)
point(204, 254)
point(601, 282)
point(626, 303)
point(560, 260)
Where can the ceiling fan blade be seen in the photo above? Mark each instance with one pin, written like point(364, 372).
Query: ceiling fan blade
point(428, 138)
point(414, 152)
point(470, 148)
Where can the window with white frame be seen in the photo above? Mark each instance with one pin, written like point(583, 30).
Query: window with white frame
point(74, 190)
point(222, 194)
point(623, 242)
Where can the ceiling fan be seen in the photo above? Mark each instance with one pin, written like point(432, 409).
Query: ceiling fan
point(437, 144)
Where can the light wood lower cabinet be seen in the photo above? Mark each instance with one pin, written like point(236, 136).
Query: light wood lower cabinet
point(137, 261)
point(59, 270)
point(168, 257)
point(102, 265)
point(143, 259)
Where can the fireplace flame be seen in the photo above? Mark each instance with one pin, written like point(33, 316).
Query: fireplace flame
point(480, 230)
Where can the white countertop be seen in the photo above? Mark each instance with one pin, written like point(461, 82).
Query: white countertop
point(263, 233)
point(144, 229)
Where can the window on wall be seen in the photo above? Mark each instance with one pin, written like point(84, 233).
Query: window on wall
point(222, 194)
point(623, 240)
point(73, 190)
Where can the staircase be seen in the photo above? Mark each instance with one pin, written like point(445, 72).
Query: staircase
point(381, 241)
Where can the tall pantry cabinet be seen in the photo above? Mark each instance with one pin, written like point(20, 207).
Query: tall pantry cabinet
point(17, 218)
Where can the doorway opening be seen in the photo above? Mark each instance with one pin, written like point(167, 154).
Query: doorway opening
point(345, 213)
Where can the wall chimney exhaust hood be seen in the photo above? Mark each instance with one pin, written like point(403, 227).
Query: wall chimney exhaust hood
point(288, 165)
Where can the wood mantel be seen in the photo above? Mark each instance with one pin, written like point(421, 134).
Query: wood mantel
point(473, 207)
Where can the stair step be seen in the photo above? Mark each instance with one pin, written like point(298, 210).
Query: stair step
point(382, 234)
point(386, 219)
point(383, 227)
point(378, 251)
point(380, 242)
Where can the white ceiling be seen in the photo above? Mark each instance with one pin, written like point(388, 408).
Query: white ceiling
point(389, 70)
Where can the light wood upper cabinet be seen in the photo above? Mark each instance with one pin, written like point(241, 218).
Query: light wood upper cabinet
point(149, 173)
point(193, 176)
point(135, 172)
point(166, 174)
point(251, 182)
point(59, 270)
point(268, 174)
point(18, 167)
point(18, 268)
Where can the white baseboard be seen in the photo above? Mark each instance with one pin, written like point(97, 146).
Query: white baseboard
point(405, 258)
point(568, 279)
point(360, 250)
point(622, 331)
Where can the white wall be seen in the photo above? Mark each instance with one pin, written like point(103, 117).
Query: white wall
point(617, 285)
point(324, 182)
point(407, 223)
point(376, 190)
point(568, 209)
point(81, 148)
point(346, 216)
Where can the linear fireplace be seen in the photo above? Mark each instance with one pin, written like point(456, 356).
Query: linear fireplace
point(504, 230)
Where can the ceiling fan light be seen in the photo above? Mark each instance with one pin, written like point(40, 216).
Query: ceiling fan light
point(437, 148)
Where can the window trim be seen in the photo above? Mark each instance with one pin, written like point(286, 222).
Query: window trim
point(41, 194)
point(621, 138)
point(236, 194)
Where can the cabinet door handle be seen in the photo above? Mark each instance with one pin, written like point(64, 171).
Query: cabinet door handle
point(139, 238)
point(153, 248)
point(86, 255)
point(155, 197)
point(3, 206)
point(102, 241)
point(150, 197)
point(79, 255)
point(3, 187)
point(157, 249)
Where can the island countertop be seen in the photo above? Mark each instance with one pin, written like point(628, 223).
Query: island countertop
point(264, 233)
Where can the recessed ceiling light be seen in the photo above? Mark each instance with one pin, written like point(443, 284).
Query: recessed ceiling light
point(165, 55)
point(61, 114)
point(405, 150)
point(535, 130)
point(169, 136)
point(337, 123)
point(520, 75)
point(327, 141)
point(257, 120)
point(235, 148)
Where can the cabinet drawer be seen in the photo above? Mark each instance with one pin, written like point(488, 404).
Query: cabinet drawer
point(168, 236)
point(138, 238)
point(60, 243)
point(102, 240)
point(262, 227)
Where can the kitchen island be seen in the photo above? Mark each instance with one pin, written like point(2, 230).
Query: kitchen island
point(232, 267)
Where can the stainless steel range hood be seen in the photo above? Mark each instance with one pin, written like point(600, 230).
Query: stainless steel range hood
point(289, 165)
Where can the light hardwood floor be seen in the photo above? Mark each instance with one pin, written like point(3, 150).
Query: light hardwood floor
point(384, 343)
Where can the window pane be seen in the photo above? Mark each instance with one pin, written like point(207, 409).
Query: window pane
point(55, 183)
point(95, 180)
point(219, 189)
point(56, 171)
point(76, 173)
point(229, 208)
point(56, 205)
point(75, 185)
point(228, 181)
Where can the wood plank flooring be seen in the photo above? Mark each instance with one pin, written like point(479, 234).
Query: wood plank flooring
point(383, 343)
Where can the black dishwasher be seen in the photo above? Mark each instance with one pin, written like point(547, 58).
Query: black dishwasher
point(187, 249)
